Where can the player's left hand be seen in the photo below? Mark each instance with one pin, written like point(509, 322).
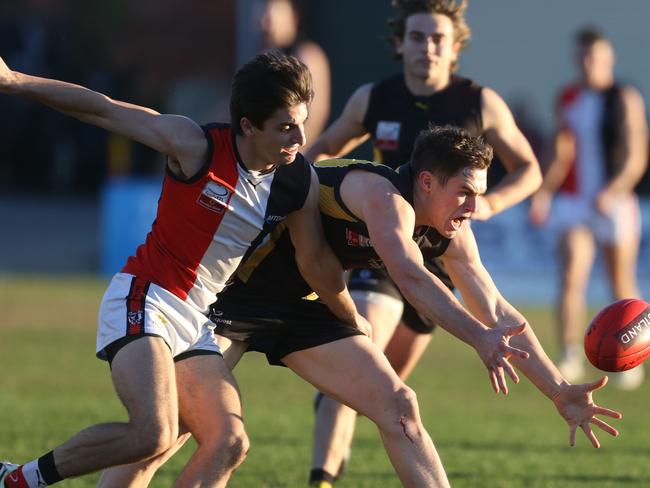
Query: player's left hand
point(576, 405)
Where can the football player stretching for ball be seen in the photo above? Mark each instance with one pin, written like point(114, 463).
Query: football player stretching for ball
point(375, 216)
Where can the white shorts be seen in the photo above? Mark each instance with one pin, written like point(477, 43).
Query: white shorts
point(133, 307)
point(620, 225)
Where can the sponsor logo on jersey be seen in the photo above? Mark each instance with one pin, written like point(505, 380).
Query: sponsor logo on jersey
point(274, 219)
point(639, 327)
point(354, 239)
point(215, 197)
point(387, 135)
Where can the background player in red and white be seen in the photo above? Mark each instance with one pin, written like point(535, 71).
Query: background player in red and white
point(428, 36)
point(600, 155)
point(225, 189)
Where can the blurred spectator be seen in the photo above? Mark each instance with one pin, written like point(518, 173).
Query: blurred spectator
point(281, 30)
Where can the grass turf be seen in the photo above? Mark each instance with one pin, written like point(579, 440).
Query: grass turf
point(51, 386)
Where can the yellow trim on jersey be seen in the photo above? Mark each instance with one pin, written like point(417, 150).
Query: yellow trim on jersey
point(376, 155)
point(335, 162)
point(329, 206)
point(246, 269)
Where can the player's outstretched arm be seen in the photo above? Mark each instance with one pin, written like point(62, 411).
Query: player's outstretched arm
point(318, 265)
point(347, 132)
point(574, 402)
point(178, 137)
point(391, 221)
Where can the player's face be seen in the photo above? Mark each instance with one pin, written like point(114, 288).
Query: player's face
point(450, 205)
point(282, 135)
point(279, 23)
point(428, 48)
point(596, 63)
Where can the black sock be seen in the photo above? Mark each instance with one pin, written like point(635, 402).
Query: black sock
point(48, 469)
point(320, 475)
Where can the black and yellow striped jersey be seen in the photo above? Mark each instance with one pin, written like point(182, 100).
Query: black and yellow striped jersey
point(272, 267)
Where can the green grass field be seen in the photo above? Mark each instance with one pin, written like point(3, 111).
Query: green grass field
point(51, 385)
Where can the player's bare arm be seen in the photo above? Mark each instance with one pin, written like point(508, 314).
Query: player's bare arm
point(574, 402)
point(556, 171)
point(512, 147)
point(178, 137)
point(318, 264)
point(391, 222)
point(347, 132)
point(634, 147)
point(316, 60)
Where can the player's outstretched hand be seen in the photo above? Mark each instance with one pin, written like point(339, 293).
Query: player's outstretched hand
point(494, 351)
point(576, 405)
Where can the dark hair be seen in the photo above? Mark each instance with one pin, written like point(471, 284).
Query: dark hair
point(588, 36)
point(269, 82)
point(450, 8)
point(446, 150)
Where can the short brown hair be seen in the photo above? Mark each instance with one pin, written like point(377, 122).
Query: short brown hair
point(450, 8)
point(445, 151)
point(588, 36)
point(267, 83)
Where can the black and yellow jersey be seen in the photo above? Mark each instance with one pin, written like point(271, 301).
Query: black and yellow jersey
point(272, 267)
point(395, 116)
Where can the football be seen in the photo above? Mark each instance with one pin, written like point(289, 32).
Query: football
point(618, 337)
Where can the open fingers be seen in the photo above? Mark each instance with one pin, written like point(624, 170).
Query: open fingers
point(572, 435)
point(607, 412)
point(511, 371)
point(513, 351)
point(604, 426)
point(590, 434)
point(596, 385)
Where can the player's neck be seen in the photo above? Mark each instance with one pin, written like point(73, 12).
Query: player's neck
point(423, 87)
point(250, 158)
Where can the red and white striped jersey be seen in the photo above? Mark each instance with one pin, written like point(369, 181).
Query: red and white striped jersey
point(205, 225)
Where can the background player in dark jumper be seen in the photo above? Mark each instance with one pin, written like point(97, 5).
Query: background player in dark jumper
point(428, 37)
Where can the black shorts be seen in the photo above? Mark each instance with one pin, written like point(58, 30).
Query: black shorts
point(277, 327)
point(377, 280)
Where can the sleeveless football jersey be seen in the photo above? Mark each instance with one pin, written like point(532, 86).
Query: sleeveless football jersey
point(592, 117)
point(205, 225)
point(395, 116)
point(271, 268)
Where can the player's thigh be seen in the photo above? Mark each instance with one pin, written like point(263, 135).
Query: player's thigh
point(383, 311)
point(352, 370)
point(577, 247)
point(209, 399)
point(143, 375)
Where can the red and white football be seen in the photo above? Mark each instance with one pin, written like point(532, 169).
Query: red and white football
point(618, 337)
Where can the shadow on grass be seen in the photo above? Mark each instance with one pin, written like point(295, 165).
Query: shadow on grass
point(537, 480)
point(519, 447)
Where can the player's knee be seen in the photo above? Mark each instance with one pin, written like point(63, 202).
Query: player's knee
point(399, 407)
point(154, 438)
point(234, 449)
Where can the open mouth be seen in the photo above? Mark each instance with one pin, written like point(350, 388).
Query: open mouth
point(457, 222)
